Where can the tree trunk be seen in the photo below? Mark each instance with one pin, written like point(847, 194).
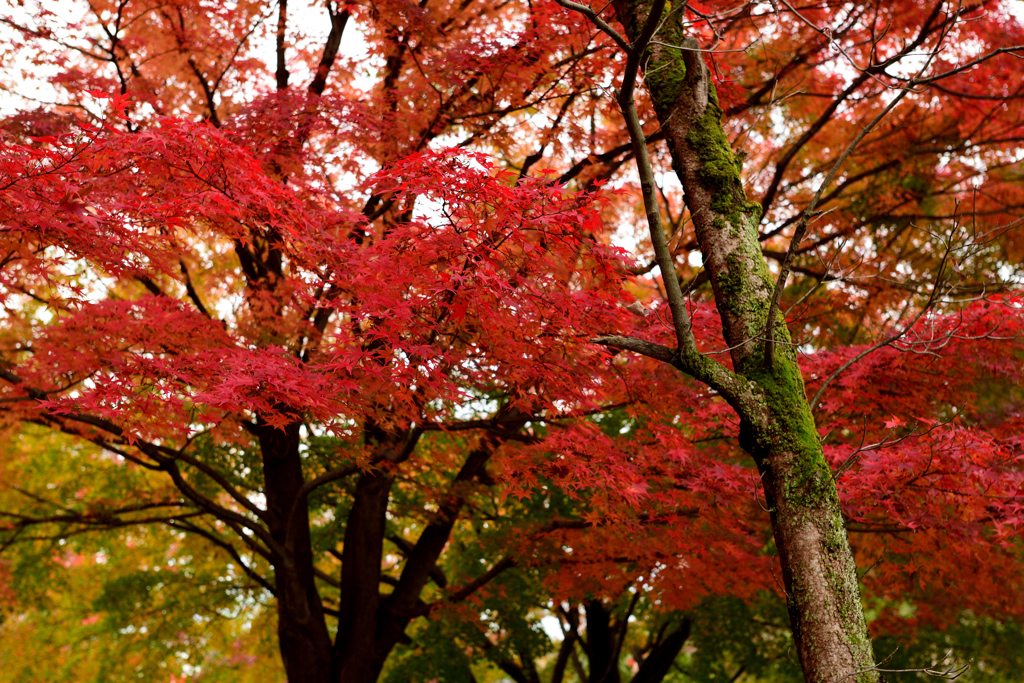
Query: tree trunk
point(360, 653)
point(301, 628)
point(369, 625)
point(601, 644)
point(658, 662)
point(777, 427)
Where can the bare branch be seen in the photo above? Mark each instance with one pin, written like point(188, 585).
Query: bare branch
point(933, 297)
point(338, 22)
point(473, 586)
point(644, 348)
point(600, 23)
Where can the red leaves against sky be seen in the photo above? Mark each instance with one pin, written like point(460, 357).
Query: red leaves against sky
point(490, 287)
point(499, 276)
point(476, 286)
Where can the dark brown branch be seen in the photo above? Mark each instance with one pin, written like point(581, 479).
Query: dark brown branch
point(927, 28)
point(191, 290)
point(644, 348)
point(601, 24)
point(933, 297)
point(230, 550)
point(406, 548)
point(282, 27)
point(801, 227)
point(338, 22)
point(539, 154)
point(569, 637)
point(421, 561)
point(474, 585)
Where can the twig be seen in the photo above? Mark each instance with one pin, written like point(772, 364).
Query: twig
point(951, 673)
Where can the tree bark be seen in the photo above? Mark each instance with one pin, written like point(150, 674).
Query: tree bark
point(370, 625)
point(301, 628)
point(601, 644)
point(360, 654)
point(658, 662)
point(777, 427)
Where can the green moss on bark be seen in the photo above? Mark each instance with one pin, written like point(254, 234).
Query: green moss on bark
point(721, 175)
point(665, 73)
point(735, 284)
point(777, 426)
point(663, 64)
point(808, 481)
point(720, 168)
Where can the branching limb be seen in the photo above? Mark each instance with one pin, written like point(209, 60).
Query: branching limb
point(644, 348)
point(952, 672)
point(406, 548)
point(809, 212)
point(338, 22)
point(191, 290)
point(886, 442)
point(600, 23)
point(229, 549)
point(663, 255)
point(473, 586)
point(166, 461)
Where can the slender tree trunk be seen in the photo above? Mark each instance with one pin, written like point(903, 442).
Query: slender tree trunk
point(777, 427)
point(301, 628)
point(359, 650)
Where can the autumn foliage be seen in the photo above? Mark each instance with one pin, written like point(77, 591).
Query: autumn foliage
point(298, 377)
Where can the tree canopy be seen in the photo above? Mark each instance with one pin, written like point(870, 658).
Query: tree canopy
point(465, 340)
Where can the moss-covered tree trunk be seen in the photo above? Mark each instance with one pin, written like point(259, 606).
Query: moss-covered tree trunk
point(777, 427)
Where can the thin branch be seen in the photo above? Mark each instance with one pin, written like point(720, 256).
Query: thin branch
point(338, 22)
point(601, 23)
point(474, 585)
point(950, 673)
point(644, 348)
point(808, 213)
point(230, 550)
point(889, 340)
